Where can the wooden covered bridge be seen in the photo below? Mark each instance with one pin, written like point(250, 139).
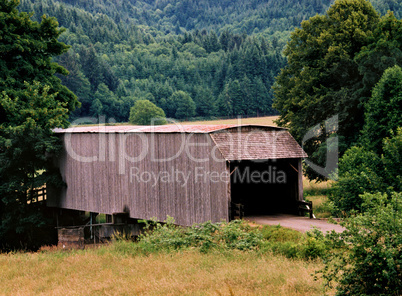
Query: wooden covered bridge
point(193, 173)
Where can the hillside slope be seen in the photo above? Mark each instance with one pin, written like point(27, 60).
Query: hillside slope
point(223, 54)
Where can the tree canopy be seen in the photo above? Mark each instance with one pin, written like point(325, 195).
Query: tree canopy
point(32, 103)
point(327, 75)
point(137, 48)
point(383, 114)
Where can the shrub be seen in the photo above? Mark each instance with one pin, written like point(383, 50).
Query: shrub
point(313, 245)
point(206, 236)
point(294, 244)
point(366, 259)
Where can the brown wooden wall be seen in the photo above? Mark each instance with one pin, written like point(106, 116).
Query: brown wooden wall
point(108, 173)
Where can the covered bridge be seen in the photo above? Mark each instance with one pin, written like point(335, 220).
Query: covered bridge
point(193, 173)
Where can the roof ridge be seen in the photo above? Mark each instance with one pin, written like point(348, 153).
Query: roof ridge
point(170, 128)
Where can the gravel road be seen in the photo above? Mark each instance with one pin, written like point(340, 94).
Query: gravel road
point(302, 224)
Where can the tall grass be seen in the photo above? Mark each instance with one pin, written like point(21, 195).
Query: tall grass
point(158, 265)
point(104, 271)
point(318, 194)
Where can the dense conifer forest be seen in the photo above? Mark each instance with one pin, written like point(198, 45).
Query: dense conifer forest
point(222, 54)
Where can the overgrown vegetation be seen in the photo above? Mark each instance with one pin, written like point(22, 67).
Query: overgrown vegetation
point(364, 171)
point(223, 238)
point(366, 259)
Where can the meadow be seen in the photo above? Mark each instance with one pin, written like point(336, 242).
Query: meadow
point(120, 268)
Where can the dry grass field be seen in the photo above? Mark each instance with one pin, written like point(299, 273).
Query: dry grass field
point(102, 271)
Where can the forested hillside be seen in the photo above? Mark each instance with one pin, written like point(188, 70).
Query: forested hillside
point(223, 54)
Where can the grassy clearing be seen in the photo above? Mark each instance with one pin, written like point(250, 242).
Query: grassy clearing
point(104, 271)
point(127, 268)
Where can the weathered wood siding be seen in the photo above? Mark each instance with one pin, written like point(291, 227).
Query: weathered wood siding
point(113, 172)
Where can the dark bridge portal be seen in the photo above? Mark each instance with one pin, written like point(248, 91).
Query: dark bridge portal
point(265, 187)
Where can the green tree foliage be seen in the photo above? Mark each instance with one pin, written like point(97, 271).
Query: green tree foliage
point(118, 47)
point(366, 258)
point(26, 50)
point(26, 146)
point(181, 16)
point(327, 75)
point(359, 172)
point(364, 171)
point(145, 112)
point(383, 51)
point(180, 105)
point(392, 158)
point(160, 47)
point(29, 111)
point(383, 114)
point(388, 5)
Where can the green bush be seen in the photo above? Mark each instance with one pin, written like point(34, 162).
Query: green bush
point(366, 259)
point(287, 249)
point(221, 237)
point(313, 245)
point(206, 236)
point(294, 244)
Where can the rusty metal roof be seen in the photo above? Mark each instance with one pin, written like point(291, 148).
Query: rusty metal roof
point(235, 142)
point(171, 128)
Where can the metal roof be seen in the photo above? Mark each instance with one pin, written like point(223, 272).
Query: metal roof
point(235, 142)
point(173, 128)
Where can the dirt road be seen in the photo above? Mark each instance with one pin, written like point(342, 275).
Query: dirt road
point(302, 224)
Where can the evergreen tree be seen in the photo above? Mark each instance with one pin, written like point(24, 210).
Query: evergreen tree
point(185, 106)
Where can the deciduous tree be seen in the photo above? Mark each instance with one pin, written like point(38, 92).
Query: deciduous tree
point(383, 113)
point(32, 103)
point(145, 112)
point(322, 78)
